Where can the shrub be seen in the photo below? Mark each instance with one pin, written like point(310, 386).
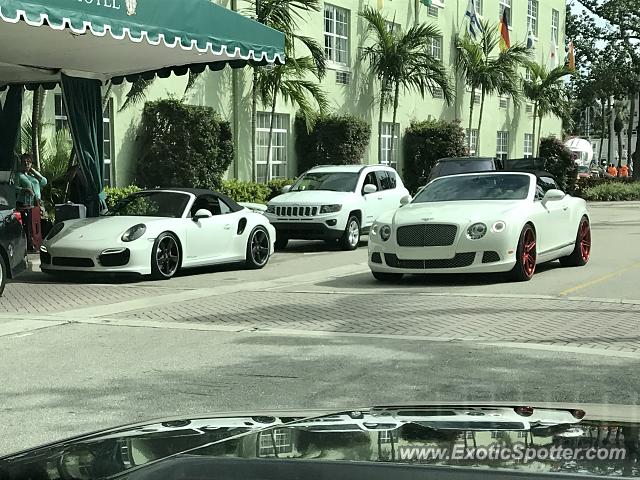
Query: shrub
point(613, 191)
point(427, 141)
point(560, 162)
point(333, 140)
point(114, 195)
point(183, 146)
point(277, 184)
point(246, 191)
point(583, 184)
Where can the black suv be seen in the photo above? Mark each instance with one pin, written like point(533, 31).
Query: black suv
point(13, 243)
point(457, 165)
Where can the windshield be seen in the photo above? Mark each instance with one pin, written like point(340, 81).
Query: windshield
point(152, 204)
point(475, 187)
point(333, 181)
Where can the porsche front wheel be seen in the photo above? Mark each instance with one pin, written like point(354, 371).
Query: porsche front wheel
point(526, 255)
point(165, 256)
point(258, 248)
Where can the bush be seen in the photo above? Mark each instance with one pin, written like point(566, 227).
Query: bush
point(583, 184)
point(560, 162)
point(333, 140)
point(183, 146)
point(426, 142)
point(114, 195)
point(613, 190)
point(277, 184)
point(246, 191)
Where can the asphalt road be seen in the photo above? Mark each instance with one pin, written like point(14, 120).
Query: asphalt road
point(315, 330)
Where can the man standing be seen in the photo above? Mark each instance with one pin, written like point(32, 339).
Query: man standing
point(29, 184)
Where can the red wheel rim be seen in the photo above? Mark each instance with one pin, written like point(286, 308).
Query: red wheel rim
point(584, 237)
point(529, 252)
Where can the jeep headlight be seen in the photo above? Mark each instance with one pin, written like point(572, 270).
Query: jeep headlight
point(330, 208)
point(270, 209)
point(134, 233)
point(476, 231)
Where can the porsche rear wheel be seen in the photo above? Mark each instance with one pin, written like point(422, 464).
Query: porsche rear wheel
point(165, 256)
point(3, 274)
point(526, 255)
point(582, 250)
point(258, 248)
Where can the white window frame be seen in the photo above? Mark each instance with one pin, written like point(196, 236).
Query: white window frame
point(62, 121)
point(501, 6)
point(529, 108)
point(331, 33)
point(502, 145)
point(555, 26)
point(436, 47)
point(528, 145)
point(283, 442)
point(503, 101)
point(533, 7)
point(385, 144)
point(477, 96)
point(438, 93)
point(473, 146)
point(479, 7)
point(263, 132)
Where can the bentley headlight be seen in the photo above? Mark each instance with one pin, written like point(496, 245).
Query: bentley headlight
point(134, 233)
point(330, 208)
point(385, 232)
point(476, 231)
point(55, 230)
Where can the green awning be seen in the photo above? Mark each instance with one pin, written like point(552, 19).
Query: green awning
point(116, 39)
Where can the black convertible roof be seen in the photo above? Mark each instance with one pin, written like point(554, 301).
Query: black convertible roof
point(202, 191)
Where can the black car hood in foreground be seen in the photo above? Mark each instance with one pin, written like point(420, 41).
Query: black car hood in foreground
point(434, 441)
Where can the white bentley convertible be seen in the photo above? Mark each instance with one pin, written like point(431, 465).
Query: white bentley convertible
point(482, 222)
point(158, 232)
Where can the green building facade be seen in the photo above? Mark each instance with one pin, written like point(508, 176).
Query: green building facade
point(506, 129)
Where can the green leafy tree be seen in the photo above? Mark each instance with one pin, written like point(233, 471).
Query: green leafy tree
point(546, 90)
point(485, 67)
point(403, 61)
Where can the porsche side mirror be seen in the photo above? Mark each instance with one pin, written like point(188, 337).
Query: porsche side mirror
point(406, 199)
point(202, 213)
point(286, 188)
point(553, 195)
point(369, 188)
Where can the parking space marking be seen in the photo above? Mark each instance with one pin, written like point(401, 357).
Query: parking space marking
point(598, 280)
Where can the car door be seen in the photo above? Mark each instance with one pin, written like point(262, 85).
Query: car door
point(388, 190)
point(373, 202)
point(209, 240)
point(555, 228)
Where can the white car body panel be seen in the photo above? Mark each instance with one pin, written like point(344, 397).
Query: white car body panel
point(369, 206)
point(556, 224)
point(207, 241)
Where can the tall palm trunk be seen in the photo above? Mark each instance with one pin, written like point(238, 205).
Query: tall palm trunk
point(602, 134)
point(396, 97)
point(480, 122)
point(636, 154)
point(382, 101)
point(539, 134)
point(632, 112)
point(534, 145)
point(36, 125)
point(470, 122)
point(272, 120)
point(619, 134)
point(610, 131)
point(254, 124)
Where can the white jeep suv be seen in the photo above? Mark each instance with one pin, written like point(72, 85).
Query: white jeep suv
point(335, 203)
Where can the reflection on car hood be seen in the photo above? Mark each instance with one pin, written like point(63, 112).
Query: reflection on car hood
point(311, 197)
point(100, 228)
point(376, 436)
point(459, 211)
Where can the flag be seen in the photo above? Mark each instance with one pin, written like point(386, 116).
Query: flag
point(553, 54)
point(505, 42)
point(572, 57)
point(380, 4)
point(531, 39)
point(474, 20)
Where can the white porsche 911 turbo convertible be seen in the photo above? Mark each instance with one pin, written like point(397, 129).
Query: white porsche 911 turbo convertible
point(481, 222)
point(159, 232)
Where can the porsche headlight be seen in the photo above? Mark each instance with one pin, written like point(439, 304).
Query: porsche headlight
point(476, 231)
point(55, 230)
point(498, 226)
point(134, 233)
point(330, 208)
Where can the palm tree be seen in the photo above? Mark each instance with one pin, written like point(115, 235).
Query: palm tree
point(546, 91)
point(403, 60)
point(621, 112)
point(282, 15)
point(290, 82)
point(494, 74)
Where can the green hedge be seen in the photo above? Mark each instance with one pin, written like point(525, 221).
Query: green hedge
point(183, 146)
point(333, 140)
point(613, 191)
point(254, 192)
point(426, 142)
point(114, 195)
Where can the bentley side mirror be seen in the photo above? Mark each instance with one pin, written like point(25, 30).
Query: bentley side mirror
point(553, 195)
point(406, 199)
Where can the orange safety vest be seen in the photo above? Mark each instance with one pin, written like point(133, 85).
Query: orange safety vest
point(624, 171)
point(613, 171)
